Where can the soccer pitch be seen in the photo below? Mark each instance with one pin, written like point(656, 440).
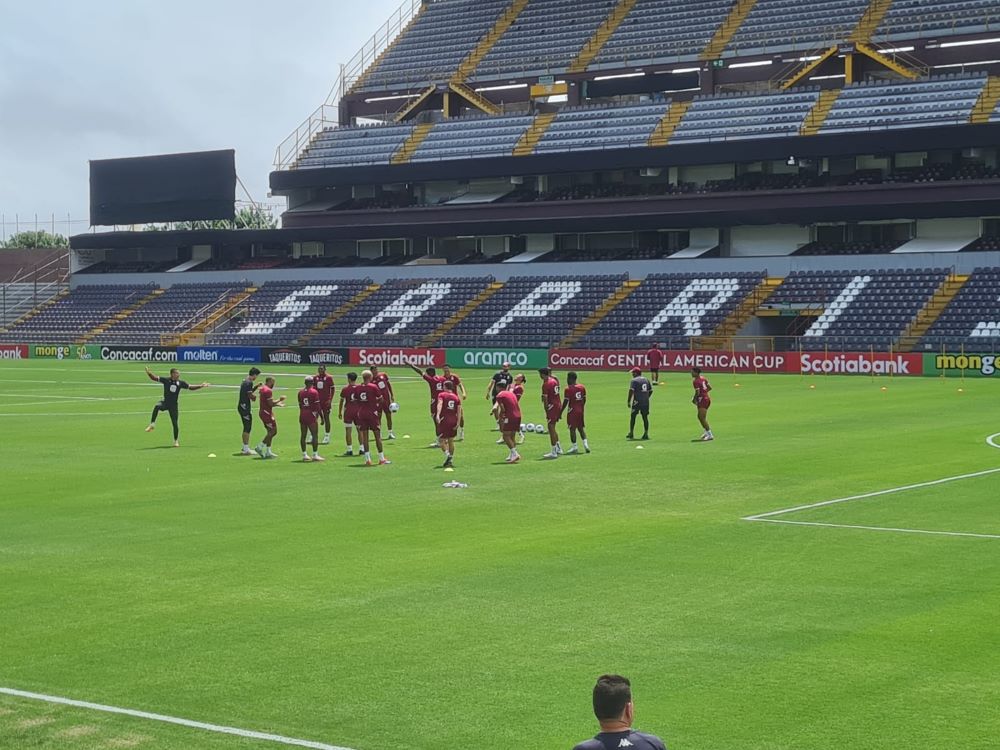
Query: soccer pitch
point(372, 608)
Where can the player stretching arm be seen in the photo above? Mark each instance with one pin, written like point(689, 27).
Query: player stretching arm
point(388, 397)
point(508, 415)
point(267, 404)
point(172, 388)
point(703, 401)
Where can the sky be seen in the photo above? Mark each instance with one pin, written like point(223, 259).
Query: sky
point(99, 79)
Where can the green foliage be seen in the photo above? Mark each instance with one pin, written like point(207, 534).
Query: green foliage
point(32, 240)
point(374, 608)
point(247, 217)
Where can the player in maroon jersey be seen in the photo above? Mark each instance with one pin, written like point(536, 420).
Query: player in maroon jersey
point(369, 417)
point(552, 405)
point(436, 383)
point(265, 397)
point(518, 390)
point(703, 401)
point(325, 387)
point(347, 412)
point(449, 417)
point(309, 406)
point(459, 389)
point(388, 397)
point(655, 358)
point(507, 411)
point(574, 402)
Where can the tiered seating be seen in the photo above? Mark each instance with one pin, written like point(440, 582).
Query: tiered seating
point(545, 38)
point(907, 19)
point(349, 147)
point(972, 319)
point(775, 25)
point(670, 308)
point(82, 310)
point(984, 243)
point(938, 101)
point(663, 31)
point(582, 128)
point(281, 311)
point(538, 309)
point(745, 116)
point(402, 312)
point(846, 248)
point(444, 33)
point(862, 308)
point(175, 311)
point(136, 266)
point(472, 136)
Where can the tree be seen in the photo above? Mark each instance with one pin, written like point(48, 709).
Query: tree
point(32, 240)
point(247, 217)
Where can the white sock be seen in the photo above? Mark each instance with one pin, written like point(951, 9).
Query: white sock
point(513, 453)
point(246, 446)
point(368, 456)
point(585, 443)
point(573, 446)
point(381, 456)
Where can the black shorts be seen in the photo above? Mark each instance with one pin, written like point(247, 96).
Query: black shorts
point(640, 409)
point(170, 409)
point(247, 419)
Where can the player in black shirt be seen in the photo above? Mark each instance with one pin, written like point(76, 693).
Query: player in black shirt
point(639, 391)
point(500, 381)
point(614, 710)
point(247, 390)
point(172, 388)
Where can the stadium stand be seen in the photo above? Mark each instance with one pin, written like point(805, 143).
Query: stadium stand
point(73, 316)
point(280, 312)
point(776, 25)
point(432, 47)
point(472, 136)
point(402, 311)
point(372, 144)
point(662, 31)
point(856, 308)
point(670, 308)
point(937, 101)
point(972, 319)
point(909, 19)
point(577, 129)
point(534, 308)
point(173, 311)
point(755, 116)
point(544, 39)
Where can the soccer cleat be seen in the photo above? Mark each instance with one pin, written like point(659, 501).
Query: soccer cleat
point(392, 435)
point(646, 436)
point(244, 451)
point(325, 440)
point(348, 452)
point(368, 462)
point(306, 459)
point(706, 437)
point(177, 444)
point(318, 457)
point(447, 463)
point(499, 441)
point(558, 449)
point(513, 459)
point(259, 450)
point(520, 438)
point(586, 449)
point(434, 445)
point(270, 454)
point(384, 462)
point(151, 428)
point(572, 449)
point(630, 436)
point(550, 455)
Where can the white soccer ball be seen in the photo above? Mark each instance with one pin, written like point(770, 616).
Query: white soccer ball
point(528, 427)
point(524, 428)
point(540, 429)
point(393, 406)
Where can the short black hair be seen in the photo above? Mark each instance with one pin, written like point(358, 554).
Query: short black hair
point(431, 371)
point(254, 371)
point(611, 694)
point(696, 370)
point(449, 386)
point(544, 371)
point(173, 370)
point(571, 378)
point(352, 376)
point(269, 379)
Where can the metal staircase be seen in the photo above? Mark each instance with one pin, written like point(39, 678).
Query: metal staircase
point(989, 97)
point(118, 317)
point(588, 323)
point(592, 48)
point(459, 315)
point(665, 128)
point(721, 337)
point(725, 33)
point(468, 66)
point(818, 114)
point(338, 313)
point(930, 312)
point(526, 144)
point(412, 143)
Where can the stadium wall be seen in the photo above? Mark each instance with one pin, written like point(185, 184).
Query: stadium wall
point(774, 265)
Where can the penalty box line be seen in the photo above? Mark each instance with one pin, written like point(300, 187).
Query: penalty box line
point(772, 516)
point(245, 733)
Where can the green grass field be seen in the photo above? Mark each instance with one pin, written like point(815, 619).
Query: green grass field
point(372, 608)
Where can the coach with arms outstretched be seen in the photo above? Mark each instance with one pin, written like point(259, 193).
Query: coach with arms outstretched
point(614, 710)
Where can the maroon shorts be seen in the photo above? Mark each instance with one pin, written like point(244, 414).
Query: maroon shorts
point(350, 417)
point(704, 403)
point(268, 421)
point(325, 409)
point(447, 429)
point(511, 425)
point(308, 420)
point(368, 421)
point(574, 419)
point(553, 414)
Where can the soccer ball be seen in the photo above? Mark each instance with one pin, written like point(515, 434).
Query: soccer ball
point(540, 429)
point(393, 406)
point(528, 427)
point(524, 428)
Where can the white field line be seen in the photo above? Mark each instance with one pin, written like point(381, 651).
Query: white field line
point(246, 733)
point(105, 413)
point(771, 516)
